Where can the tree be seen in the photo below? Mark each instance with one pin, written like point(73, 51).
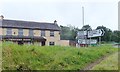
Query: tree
point(86, 27)
point(68, 32)
point(116, 36)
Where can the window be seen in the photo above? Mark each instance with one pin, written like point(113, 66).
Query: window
point(52, 33)
point(20, 32)
point(51, 43)
point(30, 32)
point(42, 32)
point(9, 31)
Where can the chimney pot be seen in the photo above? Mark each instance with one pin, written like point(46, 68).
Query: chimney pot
point(55, 22)
point(1, 17)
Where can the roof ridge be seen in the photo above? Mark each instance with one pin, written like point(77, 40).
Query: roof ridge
point(28, 21)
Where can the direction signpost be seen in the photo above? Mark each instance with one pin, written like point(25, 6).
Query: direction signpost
point(89, 34)
point(81, 34)
point(96, 33)
point(88, 41)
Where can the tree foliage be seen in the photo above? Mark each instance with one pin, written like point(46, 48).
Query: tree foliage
point(69, 33)
point(86, 27)
point(116, 36)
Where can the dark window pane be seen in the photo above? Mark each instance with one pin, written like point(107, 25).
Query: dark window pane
point(20, 32)
point(42, 32)
point(30, 32)
point(9, 31)
point(52, 33)
point(51, 43)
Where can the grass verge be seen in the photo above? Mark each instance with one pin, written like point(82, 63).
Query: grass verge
point(110, 63)
point(34, 57)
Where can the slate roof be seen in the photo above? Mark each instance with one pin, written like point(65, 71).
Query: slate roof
point(29, 25)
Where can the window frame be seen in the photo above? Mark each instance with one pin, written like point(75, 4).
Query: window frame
point(31, 32)
point(51, 43)
point(52, 34)
point(20, 32)
point(9, 31)
point(42, 32)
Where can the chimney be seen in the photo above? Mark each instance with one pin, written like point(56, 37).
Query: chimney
point(55, 22)
point(1, 17)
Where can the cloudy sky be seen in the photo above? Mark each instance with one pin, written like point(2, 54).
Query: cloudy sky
point(66, 12)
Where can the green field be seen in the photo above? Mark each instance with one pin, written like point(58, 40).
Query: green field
point(34, 57)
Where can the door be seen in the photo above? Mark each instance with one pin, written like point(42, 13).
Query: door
point(43, 43)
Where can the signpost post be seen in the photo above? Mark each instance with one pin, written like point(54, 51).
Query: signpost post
point(90, 41)
point(99, 40)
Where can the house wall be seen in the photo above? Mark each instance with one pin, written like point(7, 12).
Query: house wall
point(64, 43)
point(14, 32)
point(1, 31)
point(36, 32)
point(4, 31)
point(25, 32)
point(55, 39)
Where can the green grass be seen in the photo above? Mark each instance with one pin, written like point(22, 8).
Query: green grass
point(0, 56)
point(110, 63)
point(33, 57)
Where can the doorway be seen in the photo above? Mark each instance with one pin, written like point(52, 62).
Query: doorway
point(20, 43)
point(43, 43)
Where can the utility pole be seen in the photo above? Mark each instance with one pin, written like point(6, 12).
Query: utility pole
point(84, 38)
point(83, 15)
point(83, 24)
